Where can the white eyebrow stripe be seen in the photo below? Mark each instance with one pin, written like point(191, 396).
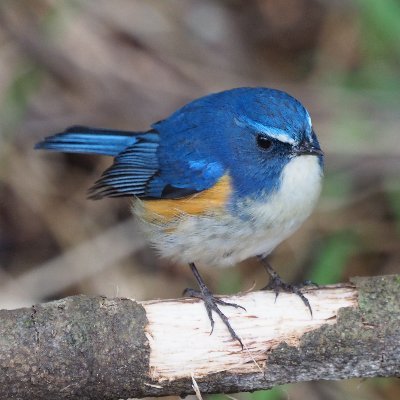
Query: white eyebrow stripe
point(275, 133)
point(308, 119)
point(309, 124)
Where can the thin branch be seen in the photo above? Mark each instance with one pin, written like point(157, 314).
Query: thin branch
point(93, 347)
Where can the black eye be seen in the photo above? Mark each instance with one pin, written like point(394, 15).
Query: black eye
point(263, 142)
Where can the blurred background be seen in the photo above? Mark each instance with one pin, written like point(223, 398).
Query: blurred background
point(125, 64)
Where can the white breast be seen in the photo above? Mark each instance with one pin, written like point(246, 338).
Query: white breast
point(224, 240)
point(289, 207)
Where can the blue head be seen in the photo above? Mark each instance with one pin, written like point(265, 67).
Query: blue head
point(249, 133)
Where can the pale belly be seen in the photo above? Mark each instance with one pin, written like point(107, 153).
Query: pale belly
point(256, 227)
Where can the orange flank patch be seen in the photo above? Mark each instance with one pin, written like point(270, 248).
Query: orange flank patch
point(196, 204)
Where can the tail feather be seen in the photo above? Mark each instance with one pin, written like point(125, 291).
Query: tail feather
point(80, 139)
point(135, 161)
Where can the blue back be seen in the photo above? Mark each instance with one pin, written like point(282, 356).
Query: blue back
point(215, 135)
point(193, 148)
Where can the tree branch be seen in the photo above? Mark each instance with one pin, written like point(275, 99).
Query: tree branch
point(93, 347)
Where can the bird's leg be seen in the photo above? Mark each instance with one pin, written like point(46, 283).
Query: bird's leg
point(277, 284)
point(211, 303)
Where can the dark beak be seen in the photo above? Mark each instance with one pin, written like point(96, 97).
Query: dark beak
point(306, 148)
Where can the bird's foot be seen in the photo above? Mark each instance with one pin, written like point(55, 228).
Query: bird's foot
point(277, 285)
point(211, 304)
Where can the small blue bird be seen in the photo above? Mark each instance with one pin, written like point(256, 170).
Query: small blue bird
point(226, 177)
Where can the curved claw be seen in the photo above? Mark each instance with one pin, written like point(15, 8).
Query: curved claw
point(277, 284)
point(276, 295)
point(211, 304)
point(212, 322)
point(296, 290)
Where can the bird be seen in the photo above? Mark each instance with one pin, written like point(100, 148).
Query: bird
point(226, 177)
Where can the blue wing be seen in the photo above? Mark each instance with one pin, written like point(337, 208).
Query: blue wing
point(153, 164)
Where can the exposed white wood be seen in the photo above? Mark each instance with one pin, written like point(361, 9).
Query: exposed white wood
point(181, 344)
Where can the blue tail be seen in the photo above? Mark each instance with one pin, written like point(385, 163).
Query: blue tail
point(135, 162)
point(81, 139)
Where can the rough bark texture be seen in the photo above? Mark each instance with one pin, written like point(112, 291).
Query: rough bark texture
point(97, 348)
point(79, 347)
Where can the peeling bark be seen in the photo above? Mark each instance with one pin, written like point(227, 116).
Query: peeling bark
point(96, 348)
